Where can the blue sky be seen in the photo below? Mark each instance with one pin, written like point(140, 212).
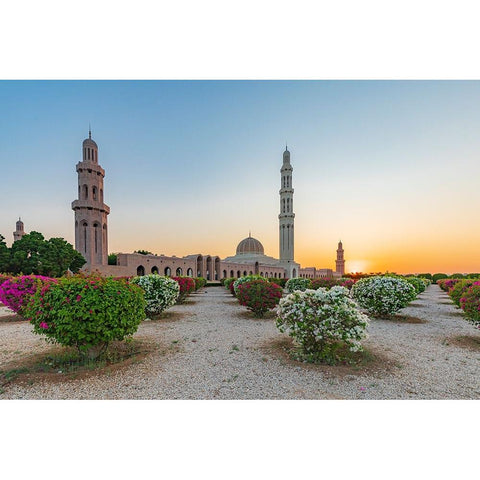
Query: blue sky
point(192, 166)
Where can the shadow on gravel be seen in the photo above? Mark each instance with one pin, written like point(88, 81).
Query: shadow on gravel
point(271, 315)
point(400, 319)
point(166, 317)
point(14, 318)
point(63, 364)
point(469, 342)
point(370, 362)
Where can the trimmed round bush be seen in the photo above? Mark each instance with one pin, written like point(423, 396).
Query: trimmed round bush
point(160, 292)
point(460, 288)
point(470, 304)
point(187, 286)
point(16, 291)
point(301, 284)
point(246, 278)
point(438, 276)
point(279, 281)
point(228, 282)
point(383, 295)
point(321, 322)
point(259, 296)
point(86, 313)
point(417, 283)
point(199, 282)
point(323, 283)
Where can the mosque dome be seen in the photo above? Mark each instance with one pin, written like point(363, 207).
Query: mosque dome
point(250, 246)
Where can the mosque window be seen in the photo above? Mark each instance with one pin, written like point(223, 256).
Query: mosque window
point(101, 194)
point(96, 236)
point(85, 192)
point(179, 272)
point(94, 193)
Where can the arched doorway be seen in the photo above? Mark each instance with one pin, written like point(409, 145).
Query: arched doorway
point(167, 271)
point(155, 270)
point(140, 271)
point(179, 272)
point(199, 266)
point(190, 272)
point(294, 273)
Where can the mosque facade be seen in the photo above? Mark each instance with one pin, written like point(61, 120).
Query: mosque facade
point(91, 237)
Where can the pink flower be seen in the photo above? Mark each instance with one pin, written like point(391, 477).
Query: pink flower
point(43, 325)
point(79, 297)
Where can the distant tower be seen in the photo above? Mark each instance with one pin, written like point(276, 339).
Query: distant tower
point(286, 217)
point(91, 238)
point(340, 262)
point(19, 231)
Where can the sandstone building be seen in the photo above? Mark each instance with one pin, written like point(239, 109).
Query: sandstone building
point(91, 237)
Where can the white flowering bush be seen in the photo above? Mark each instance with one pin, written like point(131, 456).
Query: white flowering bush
point(160, 292)
point(298, 284)
point(383, 295)
point(246, 278)
point(322, 322)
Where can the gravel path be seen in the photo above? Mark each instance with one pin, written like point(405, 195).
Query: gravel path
point(210, 349)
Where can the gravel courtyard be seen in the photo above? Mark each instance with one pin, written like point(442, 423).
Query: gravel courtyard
point(210, 348)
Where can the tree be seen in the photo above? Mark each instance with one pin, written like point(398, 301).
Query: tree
point(32, 254)
point(143, 252)
point(112, 259)
point(4, 255)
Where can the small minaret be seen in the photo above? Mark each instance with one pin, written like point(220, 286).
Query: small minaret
point(91, 235)
point(340, 262)
point(19, 230)
point(286, 217)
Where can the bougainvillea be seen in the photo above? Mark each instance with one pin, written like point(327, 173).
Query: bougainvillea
point(160, 292)
point(227, 282)
point(322, 322)
point(298, 284)
point(246, 278)
point(470, 303)
point(15, 291)
point(458, 290)
point(187, 286)
point(323, 283)
point(383, 295)
point(259, 296)
point(86, 313)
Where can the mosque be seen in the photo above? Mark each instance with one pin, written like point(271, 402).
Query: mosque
point(91, 237)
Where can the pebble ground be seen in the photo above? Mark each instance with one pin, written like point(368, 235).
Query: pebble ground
point(210, 348)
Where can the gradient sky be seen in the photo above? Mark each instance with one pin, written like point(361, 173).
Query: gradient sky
point(389, 167)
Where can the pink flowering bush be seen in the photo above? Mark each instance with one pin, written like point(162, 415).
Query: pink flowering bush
point(447, 283)
point(323, 283)
point(15, 292)
point(460, 288)
point(86, 312)
point(470, 304)
point(187, 286)
point(259, 296)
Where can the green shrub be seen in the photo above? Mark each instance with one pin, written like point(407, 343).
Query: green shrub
point(86, 313)
point(438, 276)
point(279, 281)
point(160, 292)
point(301, 284)
point(246, 278)
point(459, 289)
point(199, 282)
point(259, 296)
point(323, 283)
point(417, 283)
point(383, 295)
point(322, 322)
point(470, 303)
point(228, 282)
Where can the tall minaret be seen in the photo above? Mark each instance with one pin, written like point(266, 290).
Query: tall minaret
point(19, 230)
point(286, 217)
point(91, 238)
point(340, 262)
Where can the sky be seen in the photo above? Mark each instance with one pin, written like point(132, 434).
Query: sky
point(389, 167)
